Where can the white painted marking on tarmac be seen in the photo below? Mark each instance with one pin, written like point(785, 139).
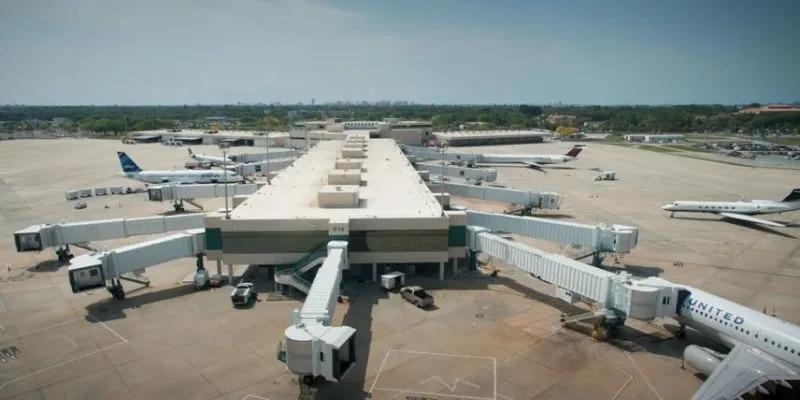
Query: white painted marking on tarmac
point(252, 396)
point(380, 369)
point(647, 381)
point(452, 396)
point(456, 381)
point(39, 330)
point(451, 388)
point(624, 385)
point(122, 341)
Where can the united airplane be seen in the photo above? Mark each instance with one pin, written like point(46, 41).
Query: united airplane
point(132, 171)
point(740, 210)
point(763, 348)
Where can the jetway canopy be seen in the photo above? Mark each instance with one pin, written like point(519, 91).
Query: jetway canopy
point(614, 238)
point(40, 237)
point(523, 198)
point(178, 192)
point(272, 154)
point(579, 280)
point(477, 174)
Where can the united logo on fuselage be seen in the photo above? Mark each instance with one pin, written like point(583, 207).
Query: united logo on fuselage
point(715, 311)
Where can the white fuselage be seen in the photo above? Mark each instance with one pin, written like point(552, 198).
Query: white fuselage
point(520, 158)
point(753, 207)
point(211, 159)
point(187, 176)
point(732, 323)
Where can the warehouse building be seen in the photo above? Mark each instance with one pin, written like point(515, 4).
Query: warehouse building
point(363, 191)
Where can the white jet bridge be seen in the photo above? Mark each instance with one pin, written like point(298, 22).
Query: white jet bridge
point(613, 296)
point(106, 269)
point(527, 201)
point(469, 159)
point(456, 171)
point(178, 193)
point(42, 236)
point(271, 167)
point(620, 239)
point(273, 154)
point(312, 348)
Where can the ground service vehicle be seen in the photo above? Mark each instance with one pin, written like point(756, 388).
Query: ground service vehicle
point(244, 294)
point(417, 296)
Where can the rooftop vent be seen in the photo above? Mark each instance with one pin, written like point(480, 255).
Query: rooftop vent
point(338, 196)
point(344, 177)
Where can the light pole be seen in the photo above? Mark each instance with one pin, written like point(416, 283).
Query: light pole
point(269, 143)
point(444, 148)
point(224, 146)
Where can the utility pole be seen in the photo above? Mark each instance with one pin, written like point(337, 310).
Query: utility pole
point(224, 146)
point(444, 148)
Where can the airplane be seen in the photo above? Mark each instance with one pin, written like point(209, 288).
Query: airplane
point(535, 161)
point(132, 171)
point(740, 210)
point(762, 347)
point(210, 160)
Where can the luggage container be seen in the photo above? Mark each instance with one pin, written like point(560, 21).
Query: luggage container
point(72, 195)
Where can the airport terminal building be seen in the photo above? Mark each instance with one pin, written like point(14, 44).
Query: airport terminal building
point(363, 191)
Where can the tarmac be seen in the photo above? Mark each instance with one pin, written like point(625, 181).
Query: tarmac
point(488, 337)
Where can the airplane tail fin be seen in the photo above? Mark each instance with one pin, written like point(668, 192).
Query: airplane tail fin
point(127, 163)
point(793, 196)
point(575, 151)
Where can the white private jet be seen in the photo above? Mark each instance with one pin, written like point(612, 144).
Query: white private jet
point(207, 160)
point(132, 171)
point(740, 210)
point(763, 348)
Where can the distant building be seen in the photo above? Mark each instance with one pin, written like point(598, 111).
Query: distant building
point(641, 138)
point(558, 119)
point(771, 108)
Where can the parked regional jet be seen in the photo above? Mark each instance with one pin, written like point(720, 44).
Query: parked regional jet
point(762, 348)
point(132, 171)
point(535, 161)
point(740, 210)
point(207, 160)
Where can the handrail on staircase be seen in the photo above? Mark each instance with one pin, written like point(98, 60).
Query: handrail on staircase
point(319, 251)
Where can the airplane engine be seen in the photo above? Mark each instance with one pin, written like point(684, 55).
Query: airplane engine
point(702, 359)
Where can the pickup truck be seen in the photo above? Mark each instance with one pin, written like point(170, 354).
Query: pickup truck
point(417, 296)
point(244, 294)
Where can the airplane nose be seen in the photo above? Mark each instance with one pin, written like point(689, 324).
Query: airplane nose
point(667, 207)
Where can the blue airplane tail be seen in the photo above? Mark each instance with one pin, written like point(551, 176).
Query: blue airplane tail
point(127, 163)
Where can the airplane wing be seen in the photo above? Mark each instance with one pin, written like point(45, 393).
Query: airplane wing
point(743, 369)
point(535, 166)
point(749, 218)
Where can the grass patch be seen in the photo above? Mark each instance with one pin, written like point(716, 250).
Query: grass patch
point(686, 148)
point(659, 149)
point(786, 140)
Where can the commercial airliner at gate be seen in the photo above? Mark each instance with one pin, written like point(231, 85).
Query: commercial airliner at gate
point(132, 171)
point(740, 210)
point(763, 348)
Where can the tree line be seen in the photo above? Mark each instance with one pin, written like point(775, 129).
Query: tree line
point(616, 119)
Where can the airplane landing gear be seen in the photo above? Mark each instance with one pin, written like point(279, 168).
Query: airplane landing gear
point(681, 332)
point(671, 214)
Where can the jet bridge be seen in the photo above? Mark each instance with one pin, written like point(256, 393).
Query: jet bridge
point(40, 237)
point(527, 201)
point(106, 269)
point(455, 171)
point(312, 348)
point(179, 193)
point(261, 167)
point(273, 154)
point(600, 238)
point(615, 295)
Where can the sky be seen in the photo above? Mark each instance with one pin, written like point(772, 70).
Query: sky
point(136, 52)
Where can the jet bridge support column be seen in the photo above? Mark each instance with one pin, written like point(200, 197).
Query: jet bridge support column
point(441, 271)
point(455, 265)
point(219, 267)
point(374, 272)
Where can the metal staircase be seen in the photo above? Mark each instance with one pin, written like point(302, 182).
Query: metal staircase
point(293, 276)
